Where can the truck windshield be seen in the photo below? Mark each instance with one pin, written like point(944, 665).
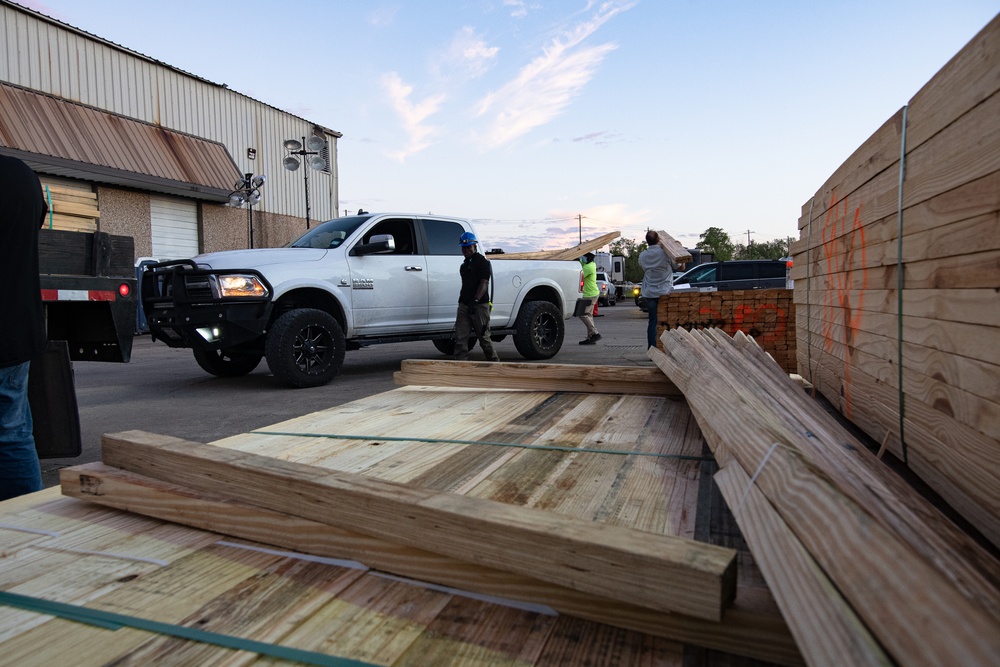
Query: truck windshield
point(329, 234)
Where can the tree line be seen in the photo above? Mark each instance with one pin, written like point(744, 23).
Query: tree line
point(713, 240)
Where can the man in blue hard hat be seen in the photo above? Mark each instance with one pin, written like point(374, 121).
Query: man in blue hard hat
point(473, 317)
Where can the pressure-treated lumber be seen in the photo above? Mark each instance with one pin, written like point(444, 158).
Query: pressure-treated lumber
point(536, 377)
point(679, 575)
point(897, 270)
point(745, 629)
point(88, 556)
point(673, 248)
point(575, 252)
point(926, 592)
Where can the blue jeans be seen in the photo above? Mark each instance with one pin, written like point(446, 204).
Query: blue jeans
point(20, 472)
point(651, 308)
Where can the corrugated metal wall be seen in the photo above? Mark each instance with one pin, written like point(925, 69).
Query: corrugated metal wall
point(49, 57)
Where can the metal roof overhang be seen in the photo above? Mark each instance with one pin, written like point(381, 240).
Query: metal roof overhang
point(58, 137)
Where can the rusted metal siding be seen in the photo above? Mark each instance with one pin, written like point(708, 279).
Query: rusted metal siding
point(45, 125)
point(47, 56)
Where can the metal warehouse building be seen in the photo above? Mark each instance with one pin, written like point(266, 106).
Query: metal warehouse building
point(132, 146)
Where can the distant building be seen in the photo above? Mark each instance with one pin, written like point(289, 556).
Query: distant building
point(133, 146)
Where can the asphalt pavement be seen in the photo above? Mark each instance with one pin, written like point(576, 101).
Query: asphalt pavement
point(163, 390)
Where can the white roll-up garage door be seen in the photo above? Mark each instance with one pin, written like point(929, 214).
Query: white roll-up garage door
point(174, 227)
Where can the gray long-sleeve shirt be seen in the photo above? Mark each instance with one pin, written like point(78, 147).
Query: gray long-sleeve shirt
point(658, 279)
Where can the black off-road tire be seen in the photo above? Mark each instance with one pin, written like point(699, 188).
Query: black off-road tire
point(540, 330)
point(226, 364)
point(305, 348)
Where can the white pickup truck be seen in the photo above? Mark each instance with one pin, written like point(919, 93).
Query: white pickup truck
point(344, 284)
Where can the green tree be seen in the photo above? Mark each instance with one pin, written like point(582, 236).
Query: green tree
point(716, 241)
point(767, 250)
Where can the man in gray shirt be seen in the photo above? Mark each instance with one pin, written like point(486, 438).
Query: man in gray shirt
point(657, 281)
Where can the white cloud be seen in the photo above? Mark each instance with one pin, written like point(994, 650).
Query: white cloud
point(519, 9)
point(413, 116)
point(468, 55)
point(547, 85)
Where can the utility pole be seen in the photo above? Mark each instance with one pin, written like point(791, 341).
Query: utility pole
point(579, 222)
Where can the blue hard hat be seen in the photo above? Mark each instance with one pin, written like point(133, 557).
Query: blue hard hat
point(467, 239)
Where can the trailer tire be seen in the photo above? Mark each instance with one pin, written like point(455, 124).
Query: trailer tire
point(226, 364)
point(305, 348)
point(539, 330)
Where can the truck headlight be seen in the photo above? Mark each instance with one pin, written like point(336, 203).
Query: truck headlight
point(241, 285)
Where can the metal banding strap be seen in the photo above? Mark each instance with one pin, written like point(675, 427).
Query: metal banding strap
point(899, 291)
point(112, 621)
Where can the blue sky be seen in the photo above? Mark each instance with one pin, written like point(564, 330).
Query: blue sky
point(523, 115)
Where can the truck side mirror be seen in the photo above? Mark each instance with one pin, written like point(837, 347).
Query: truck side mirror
point(379, 243)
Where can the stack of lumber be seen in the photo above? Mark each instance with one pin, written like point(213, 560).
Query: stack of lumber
point(577, 507)
point(71, 209)
point(575, 252)
point(864, 569)
point(766, 315)
point(897, 306)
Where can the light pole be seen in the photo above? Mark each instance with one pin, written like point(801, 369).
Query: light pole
point(303, 148)
point(247, 191)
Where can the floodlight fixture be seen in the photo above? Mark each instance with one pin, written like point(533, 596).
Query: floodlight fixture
point(310, 150)
point(247, 191)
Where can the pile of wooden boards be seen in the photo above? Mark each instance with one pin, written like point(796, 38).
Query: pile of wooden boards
point(573, 253)
point(767, 315)
point(864, 569)
point(71, 209)
point(578, 502)
point(897, 284)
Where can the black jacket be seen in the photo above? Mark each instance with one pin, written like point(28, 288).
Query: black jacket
point(22, 212)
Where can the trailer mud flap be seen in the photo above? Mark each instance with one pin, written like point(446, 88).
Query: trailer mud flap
point(52, 396)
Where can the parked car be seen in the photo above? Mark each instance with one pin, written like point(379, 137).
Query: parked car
point(731, 275)
point(608, 295)
point(734, 275)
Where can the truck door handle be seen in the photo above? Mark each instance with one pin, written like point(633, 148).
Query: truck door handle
point(414, 268)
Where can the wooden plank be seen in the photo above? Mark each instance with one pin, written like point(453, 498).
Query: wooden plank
point(878, 155)
point(941, 243)
point(680, 575)
point(952, 305)
point(536, 377)
point(748, 628)
point(673, 248)
point(958, 462)
point(963, 389)
point(889, 564)
point(575, 252)
point(965, 81)
point(824, 625)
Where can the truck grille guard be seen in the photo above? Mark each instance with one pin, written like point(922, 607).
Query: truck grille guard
point(176, 282)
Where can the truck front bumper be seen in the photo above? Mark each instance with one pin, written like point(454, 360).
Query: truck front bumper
point(183, 309)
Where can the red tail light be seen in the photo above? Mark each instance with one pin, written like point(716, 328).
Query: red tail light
point(124, 289)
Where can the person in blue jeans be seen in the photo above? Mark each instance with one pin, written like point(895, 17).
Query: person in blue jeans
point(657, 280)
point(22, 323)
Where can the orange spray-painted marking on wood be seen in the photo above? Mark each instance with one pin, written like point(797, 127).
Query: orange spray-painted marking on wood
point(841, 244)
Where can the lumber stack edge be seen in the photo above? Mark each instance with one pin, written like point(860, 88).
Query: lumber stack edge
point(898, 293)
